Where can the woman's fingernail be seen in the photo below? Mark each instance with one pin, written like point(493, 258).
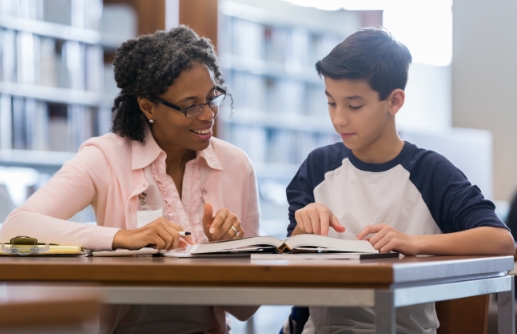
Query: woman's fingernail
point(212, 231)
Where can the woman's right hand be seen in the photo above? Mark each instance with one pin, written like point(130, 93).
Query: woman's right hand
point(160, 233)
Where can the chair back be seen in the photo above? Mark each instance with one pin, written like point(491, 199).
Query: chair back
point(465, 315)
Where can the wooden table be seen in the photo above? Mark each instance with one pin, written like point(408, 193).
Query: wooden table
point(383, 284)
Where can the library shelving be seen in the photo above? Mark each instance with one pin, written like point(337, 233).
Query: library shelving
point(51, 77)
point(268, 50)
point(268, 58)
point(51, 82)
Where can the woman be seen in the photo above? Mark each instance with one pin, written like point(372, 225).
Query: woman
point(161, 153)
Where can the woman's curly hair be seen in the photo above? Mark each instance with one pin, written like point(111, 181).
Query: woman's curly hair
point(147, 65)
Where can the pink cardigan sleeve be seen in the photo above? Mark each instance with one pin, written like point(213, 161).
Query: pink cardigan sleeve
point(73, 188)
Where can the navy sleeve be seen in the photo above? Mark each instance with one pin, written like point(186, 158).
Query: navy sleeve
point(300, 192)
point(454, 203)
point(511, 220)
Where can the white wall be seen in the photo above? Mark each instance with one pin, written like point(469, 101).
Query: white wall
point(484, 80)
point(462, 147)
point(428, 99)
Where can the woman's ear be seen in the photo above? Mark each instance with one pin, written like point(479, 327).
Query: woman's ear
point(396, 98)
point(147, 107)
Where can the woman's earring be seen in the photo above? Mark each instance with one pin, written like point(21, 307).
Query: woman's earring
point(151, 120)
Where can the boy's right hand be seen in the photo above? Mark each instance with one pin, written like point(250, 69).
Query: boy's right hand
point(316, 218)
point(160, 233)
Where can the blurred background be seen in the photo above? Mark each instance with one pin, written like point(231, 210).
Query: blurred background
point(57, 86)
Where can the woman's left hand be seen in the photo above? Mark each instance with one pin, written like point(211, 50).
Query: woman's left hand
point(223, 226)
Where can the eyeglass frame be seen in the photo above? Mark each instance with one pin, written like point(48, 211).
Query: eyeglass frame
point(184, 110)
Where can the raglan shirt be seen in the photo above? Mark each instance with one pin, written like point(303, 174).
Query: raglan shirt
point(418, 192)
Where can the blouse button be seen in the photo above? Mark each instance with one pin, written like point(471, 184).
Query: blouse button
point(204, 191)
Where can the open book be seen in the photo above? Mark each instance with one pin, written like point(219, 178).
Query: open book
point(302, 243)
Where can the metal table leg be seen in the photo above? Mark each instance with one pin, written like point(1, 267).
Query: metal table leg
point(506, 311)
point(384, 312)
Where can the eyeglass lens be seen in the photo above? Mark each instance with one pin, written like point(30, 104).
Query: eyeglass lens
point(198, 109)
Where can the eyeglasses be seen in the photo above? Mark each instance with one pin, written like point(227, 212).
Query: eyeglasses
point(197, 109)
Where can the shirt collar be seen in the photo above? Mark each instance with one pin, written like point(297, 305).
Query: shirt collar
point(210, 157)
point(144, 154)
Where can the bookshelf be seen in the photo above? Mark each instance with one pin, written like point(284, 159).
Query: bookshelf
point(268, 56)
point(52, 91)
point(51, 78)
point(268, 50)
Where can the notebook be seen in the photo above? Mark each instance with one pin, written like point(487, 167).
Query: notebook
point(127, 252)
point(27, 246)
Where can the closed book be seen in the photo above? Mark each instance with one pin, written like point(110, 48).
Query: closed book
point(39, 250)
point(322, 256)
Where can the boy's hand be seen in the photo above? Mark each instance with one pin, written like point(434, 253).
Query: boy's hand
point(160, 233)
point(224, 226)
point(316, 218)
point(386, 238)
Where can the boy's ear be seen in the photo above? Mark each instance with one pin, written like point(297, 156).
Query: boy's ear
point(146, 106)
point(396, 100)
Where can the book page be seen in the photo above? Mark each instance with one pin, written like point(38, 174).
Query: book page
point(245, 244)
point(329, 243)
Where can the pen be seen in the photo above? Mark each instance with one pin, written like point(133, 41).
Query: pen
point(184, 233)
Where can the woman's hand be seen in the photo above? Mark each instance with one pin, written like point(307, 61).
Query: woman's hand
point(224, 226)
point(386, 238)
point(316, 218)
point(160, 233)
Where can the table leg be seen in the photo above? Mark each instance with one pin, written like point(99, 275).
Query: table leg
point(250, 326)
point(506, 311)
point(384, 312)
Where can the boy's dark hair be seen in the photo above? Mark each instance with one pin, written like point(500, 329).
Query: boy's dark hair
point(147, 65)
point(369, 54)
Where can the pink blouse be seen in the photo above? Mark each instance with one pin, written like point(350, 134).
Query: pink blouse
point(186, 211)
point(115, 176)
point(109, 173)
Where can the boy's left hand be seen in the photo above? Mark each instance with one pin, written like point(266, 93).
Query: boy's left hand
point(386, 238)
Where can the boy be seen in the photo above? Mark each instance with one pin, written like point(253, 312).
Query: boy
point(376, 186)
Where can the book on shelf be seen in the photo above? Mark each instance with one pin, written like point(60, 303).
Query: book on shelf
point(48, 63)
point(19, 123)
point(75, 55)
point(30, 106)
point(39, 135)
point(6, 122)
point(9, 56)
point(27, 44)
point(94, 69)
point(302, 243)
